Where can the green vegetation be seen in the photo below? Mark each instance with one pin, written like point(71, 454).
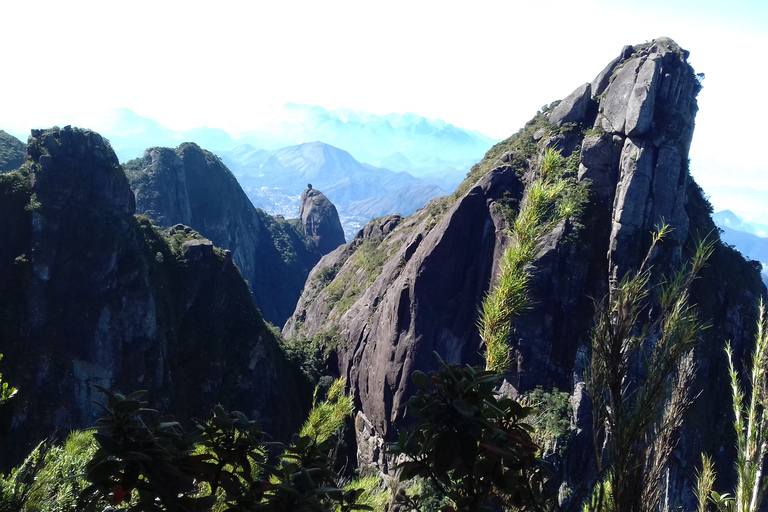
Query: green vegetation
point(358, 273)
point(751, 426)
point(6, 391)
point(470, 443)
point(635, 419)
point(551, 421)
point(545, 205)
point(150, 463)
point(288, 238)
point(326, 419)
point(12, 152)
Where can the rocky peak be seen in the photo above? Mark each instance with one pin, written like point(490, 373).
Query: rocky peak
point(191, 186)
point(93, 295)
point(320, 220)
point(626, 136)
point(73, 165)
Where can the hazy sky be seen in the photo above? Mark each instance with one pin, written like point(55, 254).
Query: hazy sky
point(484, 65)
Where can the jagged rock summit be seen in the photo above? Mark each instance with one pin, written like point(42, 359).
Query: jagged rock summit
point(320, 220)
point(95, 295)
point(191, 186)
point(406, 288)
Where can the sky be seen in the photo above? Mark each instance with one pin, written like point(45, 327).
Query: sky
point(481, 65)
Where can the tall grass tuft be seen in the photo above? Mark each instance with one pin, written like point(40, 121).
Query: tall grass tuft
point(547, 203)
point(639, 375)
point(751, 426)
point(326, 419)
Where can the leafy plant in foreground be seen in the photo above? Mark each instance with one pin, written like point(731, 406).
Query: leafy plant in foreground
point(470, 442)
point(147, 464)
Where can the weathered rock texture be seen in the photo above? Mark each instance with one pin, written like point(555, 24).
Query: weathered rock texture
point(320, 221)
point(192, 186)
point(626, 136)
point(93, 295)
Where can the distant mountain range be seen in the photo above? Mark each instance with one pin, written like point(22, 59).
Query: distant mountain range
point(403, 142)
point(274, 181)
point(749, 238)
point(276, 161)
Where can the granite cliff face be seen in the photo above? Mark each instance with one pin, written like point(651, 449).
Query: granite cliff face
point(192, 186)
point(94, 295)
point(407, 287)
point(320, 221)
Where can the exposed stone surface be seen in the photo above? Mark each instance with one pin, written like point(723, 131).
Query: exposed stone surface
point(441, 261)
point(192, 186)
point(320, 221)
point(573, 109)
point(379, 227)
point(91, 295)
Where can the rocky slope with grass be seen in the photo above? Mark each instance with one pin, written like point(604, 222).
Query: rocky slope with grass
point(93, 295)
point(407, 287)
point(12, 152)
point(191, 186)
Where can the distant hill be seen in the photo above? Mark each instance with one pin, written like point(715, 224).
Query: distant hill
point(274, 180)
point(130, 134)
point(747, 202)
point(403, 142)
point(747, 237)
point(728, 219)
point(12, 152)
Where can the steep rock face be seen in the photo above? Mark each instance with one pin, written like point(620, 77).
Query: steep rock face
point(320, 221)
point(93, 295)
point(626, 136)
point(12, 152)
point(192, 186)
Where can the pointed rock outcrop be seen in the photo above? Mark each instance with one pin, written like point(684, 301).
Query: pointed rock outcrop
point(395, 296)
point(191, 186)
point(320, 220)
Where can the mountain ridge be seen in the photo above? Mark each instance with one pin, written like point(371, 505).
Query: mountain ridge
point(625, 136)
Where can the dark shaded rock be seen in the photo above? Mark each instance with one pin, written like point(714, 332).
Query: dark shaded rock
point(440, 262)
point(573, 109)
point(93, 295)
point(566, 143)
point(193, 187)
point(77, 166)
point(599, 163)
point(320, 221)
